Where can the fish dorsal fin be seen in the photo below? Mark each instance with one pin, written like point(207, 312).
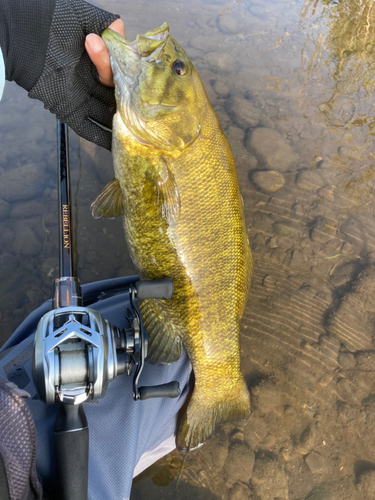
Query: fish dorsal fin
point(109, 203)
point(165, 347)
point(167, 191)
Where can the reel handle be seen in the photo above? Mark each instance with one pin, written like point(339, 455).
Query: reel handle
point(170, 390)
point(156, 289)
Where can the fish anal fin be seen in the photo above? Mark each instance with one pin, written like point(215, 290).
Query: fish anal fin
point(203, 414)
point(109, 204)
point(168, 197)
point(164, 347)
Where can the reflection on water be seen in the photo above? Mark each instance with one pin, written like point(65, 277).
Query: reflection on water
point(292, 84)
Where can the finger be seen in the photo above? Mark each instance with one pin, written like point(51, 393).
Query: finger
point(118, 26)
point(99, 55)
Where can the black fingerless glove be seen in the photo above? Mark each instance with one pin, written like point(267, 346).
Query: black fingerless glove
point(43, 44)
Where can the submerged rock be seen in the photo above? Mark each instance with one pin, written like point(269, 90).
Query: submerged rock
point(50, 270)
point(22, 183)
point(266, 122)
point(312, 181)
point(220, 88)
point(366, 484)
point(256, 98)
point(323, 230)
point(239, 492)
point(346, 360)
point(269, 181)
point(235, 134)
point(236, 137)
point(316, 463)
point(220, 60)
point(271, 147)
point(266, 397)
point(287, 228)
point(27, 242)
point(35, 297)
point(6, 237)
point(204, 43)
point(243, 112)
point(269, 479)
point(228, 25)
point(8, 264)
point(239, 464)
point(4, 209)
point(27, 209)
point(353, 320)
point(259, 11)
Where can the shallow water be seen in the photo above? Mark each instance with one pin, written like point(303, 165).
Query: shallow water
point(292, 84)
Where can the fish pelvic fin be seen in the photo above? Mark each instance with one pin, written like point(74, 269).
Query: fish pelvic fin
point(109, 204)
point(202, 416)
point(164, 347)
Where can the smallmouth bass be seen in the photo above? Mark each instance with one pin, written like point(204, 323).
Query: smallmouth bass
point(177, 189)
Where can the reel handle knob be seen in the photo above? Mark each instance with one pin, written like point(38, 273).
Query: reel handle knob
point(156, 289)
point(170, 390)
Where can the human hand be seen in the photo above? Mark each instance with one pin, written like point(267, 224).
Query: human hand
point(51, 60)
point(99, 54)
point(69, 85)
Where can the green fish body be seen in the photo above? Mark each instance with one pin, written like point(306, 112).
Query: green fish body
point(177, 190)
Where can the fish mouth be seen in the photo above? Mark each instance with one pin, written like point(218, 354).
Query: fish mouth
point(111, 38)
point(125, 55)
point(126, 63)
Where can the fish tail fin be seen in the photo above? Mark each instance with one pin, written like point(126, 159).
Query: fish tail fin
point(202, 415)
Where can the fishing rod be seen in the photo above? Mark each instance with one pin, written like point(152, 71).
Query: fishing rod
point(77, 352)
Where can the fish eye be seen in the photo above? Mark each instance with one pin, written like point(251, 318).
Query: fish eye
point(179, 67)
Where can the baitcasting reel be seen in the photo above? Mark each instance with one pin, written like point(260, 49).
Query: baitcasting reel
point(77, 352)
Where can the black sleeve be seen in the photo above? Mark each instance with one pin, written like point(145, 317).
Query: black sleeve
point(24, 34)
point(43, 42)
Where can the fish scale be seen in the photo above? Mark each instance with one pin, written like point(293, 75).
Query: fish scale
point(183, 218)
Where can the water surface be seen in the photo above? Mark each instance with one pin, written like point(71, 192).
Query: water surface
point(292, 84)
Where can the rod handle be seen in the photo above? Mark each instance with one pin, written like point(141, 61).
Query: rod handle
point(71, 440)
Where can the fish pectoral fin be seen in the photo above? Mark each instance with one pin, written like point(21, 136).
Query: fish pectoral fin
point(168, 197)
point(109, 203)
point(164, 347)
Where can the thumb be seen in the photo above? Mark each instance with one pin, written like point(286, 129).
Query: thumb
point(99, 54)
